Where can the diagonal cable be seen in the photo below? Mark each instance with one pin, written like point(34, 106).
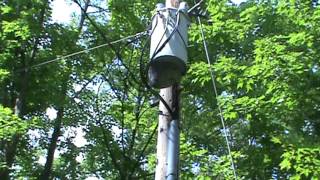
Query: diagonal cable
point(216, 94)
point(84, 51)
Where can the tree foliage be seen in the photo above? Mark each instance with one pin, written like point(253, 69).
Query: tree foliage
point(265, 61)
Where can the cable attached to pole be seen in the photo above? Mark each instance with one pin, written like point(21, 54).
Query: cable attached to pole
point(142, 67)
point(216, 94)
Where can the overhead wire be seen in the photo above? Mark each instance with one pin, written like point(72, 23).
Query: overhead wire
point(111, 43)
point(216, 94)
point(83, 51)
point(195, 6)
point(155, 53)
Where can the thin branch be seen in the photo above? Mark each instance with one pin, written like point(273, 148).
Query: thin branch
point(82, 19)
point(100, 9)
point(137, 118)
point(144, 149)
point(97, 28)
point(84, 86)
point(105, 138)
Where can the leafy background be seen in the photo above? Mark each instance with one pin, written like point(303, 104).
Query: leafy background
point(266, 63)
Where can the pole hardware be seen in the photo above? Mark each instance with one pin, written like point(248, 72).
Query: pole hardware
point(198, 11)
point(168, 58)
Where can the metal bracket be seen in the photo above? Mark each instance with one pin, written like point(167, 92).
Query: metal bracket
point(163, 114)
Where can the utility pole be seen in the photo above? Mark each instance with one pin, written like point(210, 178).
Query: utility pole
point(168, 135)
point(162, 141)
point(168, 128)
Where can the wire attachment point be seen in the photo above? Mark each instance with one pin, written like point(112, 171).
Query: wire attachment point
point(197, 11)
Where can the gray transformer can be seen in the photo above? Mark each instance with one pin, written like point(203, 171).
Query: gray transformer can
point(168, 47)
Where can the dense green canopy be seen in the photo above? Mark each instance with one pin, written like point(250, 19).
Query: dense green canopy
point(266, 59)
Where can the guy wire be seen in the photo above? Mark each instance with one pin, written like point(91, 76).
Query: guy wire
point(216, 94)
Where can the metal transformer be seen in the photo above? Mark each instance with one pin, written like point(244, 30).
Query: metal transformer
point(168, 48)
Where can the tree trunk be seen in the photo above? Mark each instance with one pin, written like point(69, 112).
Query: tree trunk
point(47, 172)
point(19, 109)
point(52, 146)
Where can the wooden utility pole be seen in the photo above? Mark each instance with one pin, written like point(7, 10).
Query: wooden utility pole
point(162, 141)
point(168, 135)
point(168, 129)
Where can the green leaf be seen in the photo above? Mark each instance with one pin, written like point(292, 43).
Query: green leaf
point(285, 164)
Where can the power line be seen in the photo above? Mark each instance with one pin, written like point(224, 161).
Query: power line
point(85, 51)
point(216, 94)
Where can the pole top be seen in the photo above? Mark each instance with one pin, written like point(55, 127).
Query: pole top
point(172, 3)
